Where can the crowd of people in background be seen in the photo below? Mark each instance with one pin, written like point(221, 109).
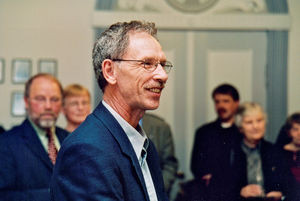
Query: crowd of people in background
point(230, 161)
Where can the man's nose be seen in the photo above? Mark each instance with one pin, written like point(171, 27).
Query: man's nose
point(160, 73)
point(48, 103)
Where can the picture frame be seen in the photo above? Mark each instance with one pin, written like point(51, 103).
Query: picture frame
point(21, 70)
point(2, 68)
point(18, 104)
point(48, 66)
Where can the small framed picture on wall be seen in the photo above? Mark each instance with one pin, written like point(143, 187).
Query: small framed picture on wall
point(17, 104)
point(48, 66)
point(2, 66)
point(21, 70)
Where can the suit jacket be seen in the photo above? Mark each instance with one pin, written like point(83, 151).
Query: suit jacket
point(160, 133)
point(25, 167)
point(212, 153)
point(212, 148)
point(97, 162)
point(276, 173)
point(1, 130)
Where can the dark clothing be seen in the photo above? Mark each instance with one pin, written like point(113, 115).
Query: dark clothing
point(1, 130)
point(283, 137)
point(213, 153)
point(97, 162)
point(25, 167)
point(276, 174)
point(293, 161)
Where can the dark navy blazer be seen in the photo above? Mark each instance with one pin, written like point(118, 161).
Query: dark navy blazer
point(25, 168)
point(98, 162)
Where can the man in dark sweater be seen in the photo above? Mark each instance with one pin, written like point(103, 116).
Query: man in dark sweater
point(213, 146)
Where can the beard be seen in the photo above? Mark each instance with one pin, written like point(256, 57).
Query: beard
point(46, 123)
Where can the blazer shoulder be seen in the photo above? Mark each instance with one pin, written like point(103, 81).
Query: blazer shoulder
point(208, 127)
point(152, 117)
point(61, 131)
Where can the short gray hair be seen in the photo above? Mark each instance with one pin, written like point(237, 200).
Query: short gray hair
point(245, 109)
point(113, 42)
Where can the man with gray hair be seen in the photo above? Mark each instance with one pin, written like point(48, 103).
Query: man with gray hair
point(109, 157)
point(28, 151)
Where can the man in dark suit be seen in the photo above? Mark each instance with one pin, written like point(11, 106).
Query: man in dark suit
point(1, 130)
point(159, 131)
point(28, 151)
point(213, 145)
point(108, 157)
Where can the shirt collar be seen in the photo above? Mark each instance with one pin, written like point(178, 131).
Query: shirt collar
point(38, 130)
point(136, 136)
point(249, 150)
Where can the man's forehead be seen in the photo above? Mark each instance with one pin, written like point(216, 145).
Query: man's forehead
point(143, 42)
point(223, 96)
point(40, 83)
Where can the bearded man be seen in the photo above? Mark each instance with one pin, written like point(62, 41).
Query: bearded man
point(28, 151)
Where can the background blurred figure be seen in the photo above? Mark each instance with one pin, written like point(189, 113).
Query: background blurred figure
point(292, 149)
point(28, 151)
point(76, 105)
point(1, 129)
point(258, 166)
point(283, 137)
point(214, 141)
point(160, 133)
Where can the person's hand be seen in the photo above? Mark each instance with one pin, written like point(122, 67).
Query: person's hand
point(206, 178)
point(276, 195)
point(252, 190)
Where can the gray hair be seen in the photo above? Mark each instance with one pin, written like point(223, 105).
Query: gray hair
point(246, 109)
point(114, 41)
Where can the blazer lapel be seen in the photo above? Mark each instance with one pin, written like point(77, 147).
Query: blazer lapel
point(34, 144)
point(61, 134)
point(118, 133)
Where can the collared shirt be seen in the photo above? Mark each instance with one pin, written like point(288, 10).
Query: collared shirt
point(254, 165)
point(139, 142)
point(43, 136)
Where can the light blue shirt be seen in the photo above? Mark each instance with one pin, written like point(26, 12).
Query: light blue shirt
point(137, 140)
point(43, 136)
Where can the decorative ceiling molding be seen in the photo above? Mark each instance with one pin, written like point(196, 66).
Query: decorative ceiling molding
point(236, 21)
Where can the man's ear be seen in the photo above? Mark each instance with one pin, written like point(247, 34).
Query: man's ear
point(26, 102)
point(108, 71)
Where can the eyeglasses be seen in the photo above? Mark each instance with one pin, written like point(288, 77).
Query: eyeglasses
point(78, 103)
point(150, 65)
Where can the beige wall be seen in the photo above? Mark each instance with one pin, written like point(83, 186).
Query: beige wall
point(36, 29)
point(294, 58)
point(62, 30)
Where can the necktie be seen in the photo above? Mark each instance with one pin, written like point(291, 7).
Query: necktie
point(144, 152)
point(52, 151)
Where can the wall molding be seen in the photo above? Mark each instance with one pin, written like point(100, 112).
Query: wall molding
point(230, 22)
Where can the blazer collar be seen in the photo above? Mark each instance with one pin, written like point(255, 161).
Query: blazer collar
point(120, 136)
point(32, 141)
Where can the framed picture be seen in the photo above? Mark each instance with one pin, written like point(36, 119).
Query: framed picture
point(21, 70)
point(2, 66)
point(48, 66)
point(17, 104)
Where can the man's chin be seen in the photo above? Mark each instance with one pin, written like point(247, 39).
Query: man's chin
point(46, 123)
point(152, 106)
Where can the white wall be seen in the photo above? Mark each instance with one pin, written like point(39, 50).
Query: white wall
point(36, 29)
